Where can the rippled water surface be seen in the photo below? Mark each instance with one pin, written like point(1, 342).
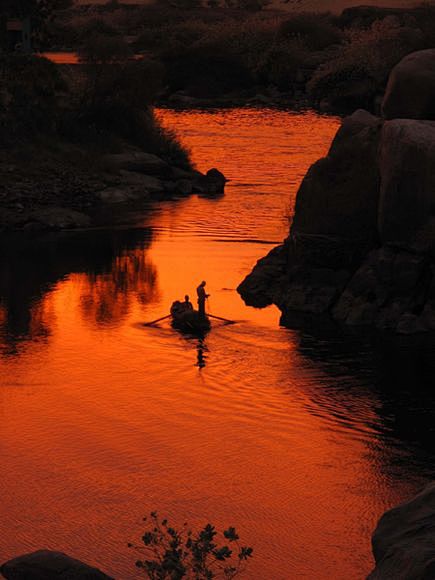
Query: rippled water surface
point(300, 438)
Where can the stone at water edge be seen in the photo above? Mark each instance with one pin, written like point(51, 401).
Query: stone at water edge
point(217, 177)
point(183, 187)
point(49, 565)
point(138, 161)
point(212, 183)
point(410, 92)
point(56, 218)
point(259, 287)
point(404, 540)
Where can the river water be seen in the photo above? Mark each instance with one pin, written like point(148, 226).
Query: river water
point(300, 438)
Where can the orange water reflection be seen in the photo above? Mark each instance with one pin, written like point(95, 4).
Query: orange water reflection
point(62, 57)
point(102, 420)
point(107, 299)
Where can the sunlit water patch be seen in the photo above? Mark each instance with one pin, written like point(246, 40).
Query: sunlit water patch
point(299, 438)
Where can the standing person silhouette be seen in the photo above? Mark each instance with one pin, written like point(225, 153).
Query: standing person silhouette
point(202, 296)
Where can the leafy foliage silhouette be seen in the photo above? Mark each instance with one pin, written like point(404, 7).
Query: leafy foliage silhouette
point(172, 554)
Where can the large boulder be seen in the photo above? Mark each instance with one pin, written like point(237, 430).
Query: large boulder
point(335, 223)
point(407, 169)
point(260, 287)
point(139, 161)
point(132, 187)
point(410, 92)
point(49, 565)
point(390, 290)
point(318, 268)
point(339, 194)
point(212, 183)
point(55, 218)
point(404, 540)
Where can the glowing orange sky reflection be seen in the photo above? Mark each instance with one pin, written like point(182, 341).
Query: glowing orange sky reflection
point(107, 420)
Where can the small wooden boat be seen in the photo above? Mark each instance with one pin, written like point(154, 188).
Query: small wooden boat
point(188, 320)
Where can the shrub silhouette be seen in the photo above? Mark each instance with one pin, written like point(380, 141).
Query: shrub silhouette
point(359, 71)
point(172, 554)
point(29, 88)
point(317, 31)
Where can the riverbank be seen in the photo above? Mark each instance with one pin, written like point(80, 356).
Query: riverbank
point(62, 186)
point(245, 56)
point(71, 144)
point(222, 56)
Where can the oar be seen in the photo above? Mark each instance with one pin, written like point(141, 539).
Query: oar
point(220, 318)
point(158, 320)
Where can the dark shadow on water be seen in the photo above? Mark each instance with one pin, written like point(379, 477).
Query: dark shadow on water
point(211, 196)
point(114, 263)
point(393, 376)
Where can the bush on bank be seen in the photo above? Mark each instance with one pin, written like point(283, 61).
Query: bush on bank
point(359, 71)
point(29, 90)
point(218, 50)
point(106, 103)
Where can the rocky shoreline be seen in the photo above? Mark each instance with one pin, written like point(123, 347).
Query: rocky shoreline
point(361, 247)
point(54, 193)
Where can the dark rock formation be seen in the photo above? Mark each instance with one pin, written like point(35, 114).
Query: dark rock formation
point(262, 286)
point(362, 243)
point(138, 161)
point(48, 565)
point(339, 194)
point(404, 540)
point(392, 289)
point(407, 195)
point(334, 224)
point(410, 92)
point(213, 182)
point(58, 196)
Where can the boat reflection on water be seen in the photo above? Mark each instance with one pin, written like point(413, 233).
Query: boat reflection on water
point(202, 357)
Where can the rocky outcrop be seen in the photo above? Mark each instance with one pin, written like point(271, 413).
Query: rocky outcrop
point(410, 92)
point(335, 223)
point(362, 243)
point(139, 162)
point(392, 289)
point(404, 540)
point(213, 182)
point(339, 195)
point(407, 168)
point(58, 195)
point(262, 286)
point(49, 565)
